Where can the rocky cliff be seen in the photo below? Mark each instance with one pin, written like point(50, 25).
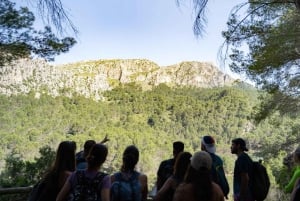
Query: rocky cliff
point(91, 78)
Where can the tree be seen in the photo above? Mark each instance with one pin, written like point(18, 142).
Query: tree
point(264, 45)
point(270, 30)
point(18, 38)
point(53, 12)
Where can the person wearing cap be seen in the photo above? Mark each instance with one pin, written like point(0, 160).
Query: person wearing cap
point(198, 184)
point(242, 171)
point(217, 169)
point(296, 175)
point(165, 169)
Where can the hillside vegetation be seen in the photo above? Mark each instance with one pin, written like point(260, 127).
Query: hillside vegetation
point(43, 105)
point(152, 120)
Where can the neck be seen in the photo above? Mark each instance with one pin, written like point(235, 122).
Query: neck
point(239, 153)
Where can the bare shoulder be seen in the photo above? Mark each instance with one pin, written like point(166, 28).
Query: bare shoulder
point(218, 193)
point(143, 177)
point(183, 192)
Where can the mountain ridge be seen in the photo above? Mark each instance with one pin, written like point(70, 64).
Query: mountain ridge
point(91, 78)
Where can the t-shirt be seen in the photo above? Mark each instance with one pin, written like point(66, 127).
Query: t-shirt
point(165, 170)
point(289, 187)
point(243, 164)
point(218, 174)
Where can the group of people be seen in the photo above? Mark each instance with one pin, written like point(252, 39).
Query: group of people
point(199, 176)
point(186, 176)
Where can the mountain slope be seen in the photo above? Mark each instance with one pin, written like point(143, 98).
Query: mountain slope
point(91, 78)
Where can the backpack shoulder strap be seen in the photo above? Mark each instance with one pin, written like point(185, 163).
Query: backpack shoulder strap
point(134, 178)
point(99, 178)
point(135, 175)
point(80, 176)
point(118, 176)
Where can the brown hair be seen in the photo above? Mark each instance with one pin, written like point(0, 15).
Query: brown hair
point(65, 157)
point(130, 158)
point(181, 165)
point(201, 181)
point(97, 155)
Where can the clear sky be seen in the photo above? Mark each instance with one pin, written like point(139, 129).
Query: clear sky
point(157, 30)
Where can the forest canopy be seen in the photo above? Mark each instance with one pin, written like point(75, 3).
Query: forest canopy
point(19, 38)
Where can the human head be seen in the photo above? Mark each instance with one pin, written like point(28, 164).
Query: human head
point(297, 155)
point(97, 156)
point(178, 147)
point(181, 164)
point(65, 156)
point(87, 146)
point(130, 158)
point(201, 160)
point(208, 144)
point(238, 145)
point(199, 175)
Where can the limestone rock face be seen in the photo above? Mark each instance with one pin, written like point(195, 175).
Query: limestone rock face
point(91, 78)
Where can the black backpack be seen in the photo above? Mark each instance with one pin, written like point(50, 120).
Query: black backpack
point(259, 182)
point(37, 191)
point(45, 189)
point(86, 189)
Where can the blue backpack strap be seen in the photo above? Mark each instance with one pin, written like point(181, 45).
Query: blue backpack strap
point(133, 177)
point(118, 178)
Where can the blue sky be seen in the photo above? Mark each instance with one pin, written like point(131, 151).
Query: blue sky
point(157, 30)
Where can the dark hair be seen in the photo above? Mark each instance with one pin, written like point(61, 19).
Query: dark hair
point(178, 146)
point(65, 157)
point(64, 161)
point(241, 142)
point(201, 181)
point(97, 155)
point(208, 139)
point(130, 158)
point(87, 146)
point(181, 165)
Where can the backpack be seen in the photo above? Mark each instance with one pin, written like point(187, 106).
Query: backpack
point(81, 163)
point(86, 189)
point(218, 174)
point(37, 191)
point(126, 190)
point(259, 181)
point(45, 189)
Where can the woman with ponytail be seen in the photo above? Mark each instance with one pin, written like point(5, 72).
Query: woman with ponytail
point(129, 184)
point(89, 184)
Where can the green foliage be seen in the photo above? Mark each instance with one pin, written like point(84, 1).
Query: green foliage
point(151, 120)
point(265, 47)
point(18, 38)
point(20, 172)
